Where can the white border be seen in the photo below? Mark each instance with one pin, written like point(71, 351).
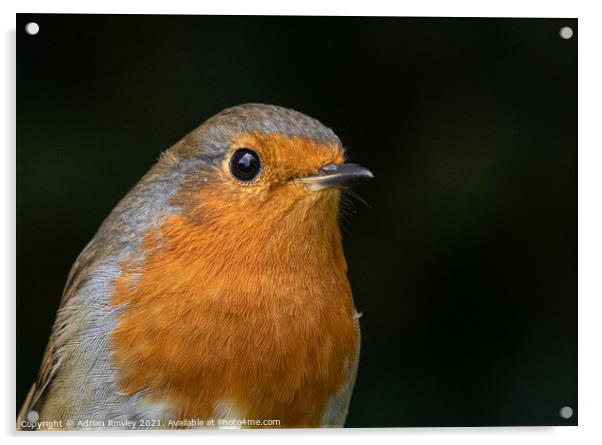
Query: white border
point(590, 214)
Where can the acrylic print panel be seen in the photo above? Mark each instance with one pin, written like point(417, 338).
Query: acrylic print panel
point(463, 264)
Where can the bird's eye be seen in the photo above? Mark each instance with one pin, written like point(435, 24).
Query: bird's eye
point(245, 164)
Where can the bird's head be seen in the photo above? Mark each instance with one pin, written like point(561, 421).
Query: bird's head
point(253, 168)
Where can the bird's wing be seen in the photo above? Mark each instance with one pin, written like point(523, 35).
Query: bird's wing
point(152, 193)
point(35, 396)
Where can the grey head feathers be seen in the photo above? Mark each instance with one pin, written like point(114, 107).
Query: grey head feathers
point(210, 141)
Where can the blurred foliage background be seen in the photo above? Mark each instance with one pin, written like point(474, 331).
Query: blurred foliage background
point(465, 266)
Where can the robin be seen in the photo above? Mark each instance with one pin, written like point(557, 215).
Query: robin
point(215, 293)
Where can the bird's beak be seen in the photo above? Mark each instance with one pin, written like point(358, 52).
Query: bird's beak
point(336, 175)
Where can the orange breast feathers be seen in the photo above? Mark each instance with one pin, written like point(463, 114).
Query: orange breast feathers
point(244, 302)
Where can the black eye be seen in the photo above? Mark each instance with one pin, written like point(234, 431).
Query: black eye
point(245, 164)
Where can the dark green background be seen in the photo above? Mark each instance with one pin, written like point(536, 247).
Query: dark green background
point(465, 266)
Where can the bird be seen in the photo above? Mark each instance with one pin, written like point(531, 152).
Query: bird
point(215, 294)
